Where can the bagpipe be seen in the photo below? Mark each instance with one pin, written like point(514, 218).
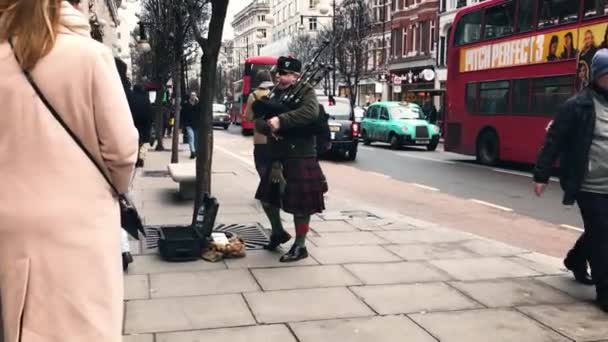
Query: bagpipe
point(274, 104)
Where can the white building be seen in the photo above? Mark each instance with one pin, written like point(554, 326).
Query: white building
point(128, 21)
point(293, 17)
point(447, 14)
point(103, 16)
point(251, 30)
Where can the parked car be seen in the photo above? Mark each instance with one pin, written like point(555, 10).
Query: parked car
point(344, 131)
point(398, 123)
point(221, 117)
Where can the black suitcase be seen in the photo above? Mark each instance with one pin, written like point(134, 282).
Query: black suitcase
point(180, 244)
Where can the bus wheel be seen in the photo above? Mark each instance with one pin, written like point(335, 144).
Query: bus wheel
point(488, 148)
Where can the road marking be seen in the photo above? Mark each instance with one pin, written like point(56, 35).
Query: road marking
point(424, 187)
point(403, 155)
point(377, 174)
point(491, 205)
point(572, 228)
point(236, 156)
point(553, 179)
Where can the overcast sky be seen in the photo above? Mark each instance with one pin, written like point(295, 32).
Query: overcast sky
point(234, 6)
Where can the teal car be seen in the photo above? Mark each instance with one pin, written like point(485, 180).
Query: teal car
point(399, 124)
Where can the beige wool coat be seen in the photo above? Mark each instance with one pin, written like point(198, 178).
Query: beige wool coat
point(60, 265)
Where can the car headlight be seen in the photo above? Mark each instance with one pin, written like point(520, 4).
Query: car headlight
point(405, 129)
point(435, 129)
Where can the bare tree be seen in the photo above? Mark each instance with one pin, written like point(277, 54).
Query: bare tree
point(303, 46)
point(208, 34)
point(353, 24)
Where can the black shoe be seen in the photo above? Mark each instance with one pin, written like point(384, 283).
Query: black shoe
point(295, 253)
point(580, 271)
point(277, 240)
point(140, 163)
point(127, 258)
point(192, 155)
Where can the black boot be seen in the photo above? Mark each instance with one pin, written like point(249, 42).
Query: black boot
point(192, 155)
point(295, 253)
point(579, 270)
point(127, 258)
point(140, 163)
point(277, 240)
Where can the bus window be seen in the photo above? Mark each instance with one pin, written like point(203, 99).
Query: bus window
point(548, 93)
point(556, 12)
point(471, 97)
point(494, 97)
point(525, 17)
point(521, 96)
point(595, 8)
point(499, 20)
point(468, 29)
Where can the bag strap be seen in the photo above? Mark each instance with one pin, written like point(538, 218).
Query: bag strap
point(65, 126)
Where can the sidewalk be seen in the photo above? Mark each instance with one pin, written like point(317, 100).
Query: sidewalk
point(371, 276)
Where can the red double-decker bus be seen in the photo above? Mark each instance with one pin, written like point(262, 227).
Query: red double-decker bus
point(243, 87)
point(511, 64)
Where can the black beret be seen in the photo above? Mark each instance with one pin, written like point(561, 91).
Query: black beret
point(289, 64)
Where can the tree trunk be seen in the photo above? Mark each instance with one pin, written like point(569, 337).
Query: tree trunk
point(159, 123)
point(177, 78)
point(211, 49)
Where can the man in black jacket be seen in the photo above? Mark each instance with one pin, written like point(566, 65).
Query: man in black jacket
point(141, 109)
point(579, 137)
point(189, 121)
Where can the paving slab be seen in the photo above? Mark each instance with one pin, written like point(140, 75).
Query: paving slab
point(396, 273)
point(374, 224)
point(496, 325)
point(416, 222)
point(332, 227)
point(265, 259)
point(186, 313)
point(580, 322)
point(431, 251)
point(201, 283)
point(134, 246)
point(265, 333)
point(238, 209)
point(512, 292)
point(567, 284)
point(346, 239)
point(138, 338)
point(483, 268)
point(411, 298)
point(377, 329)
point(144, 264)
point(431, 235)
point(136, 287)
point(541, 263)
point(306, 305)
point(492, 248)
point(304, 277)
point(352, 254)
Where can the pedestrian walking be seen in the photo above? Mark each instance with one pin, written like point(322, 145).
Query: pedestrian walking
point(143, 116)
point(189, 118)
point(295, 170)
point(60, 275)
point(578, 135)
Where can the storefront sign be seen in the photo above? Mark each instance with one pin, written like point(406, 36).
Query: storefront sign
point(397, 89)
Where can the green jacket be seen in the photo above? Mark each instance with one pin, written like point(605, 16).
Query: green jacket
point(305, 114)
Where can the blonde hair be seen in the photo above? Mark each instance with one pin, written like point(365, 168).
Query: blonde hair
point(34, 24)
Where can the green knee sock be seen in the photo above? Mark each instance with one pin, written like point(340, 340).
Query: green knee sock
point(302, 226)
point(274, 216)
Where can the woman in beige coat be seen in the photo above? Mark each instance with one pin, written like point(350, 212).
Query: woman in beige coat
point(60, 265)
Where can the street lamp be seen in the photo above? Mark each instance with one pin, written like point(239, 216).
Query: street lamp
point(143, 45)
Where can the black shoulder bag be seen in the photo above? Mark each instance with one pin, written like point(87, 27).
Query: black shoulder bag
point(129, 217)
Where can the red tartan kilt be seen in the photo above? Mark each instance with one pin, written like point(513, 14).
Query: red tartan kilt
point(304, 190)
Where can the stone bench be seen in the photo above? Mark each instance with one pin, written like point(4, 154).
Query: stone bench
point(185, 175)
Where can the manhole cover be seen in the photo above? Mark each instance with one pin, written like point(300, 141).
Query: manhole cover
point(254, 235)
point(156, 173)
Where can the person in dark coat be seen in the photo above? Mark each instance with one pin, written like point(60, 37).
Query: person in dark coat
point(430, 111)
point(295, 175)
point(141, 109)
point(189, 121)
point(579, 137)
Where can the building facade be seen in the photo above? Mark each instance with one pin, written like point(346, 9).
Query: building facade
point(251, 30)
point(413, 48)
point(104, 19)
point(447, 14)
point(291, 18)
